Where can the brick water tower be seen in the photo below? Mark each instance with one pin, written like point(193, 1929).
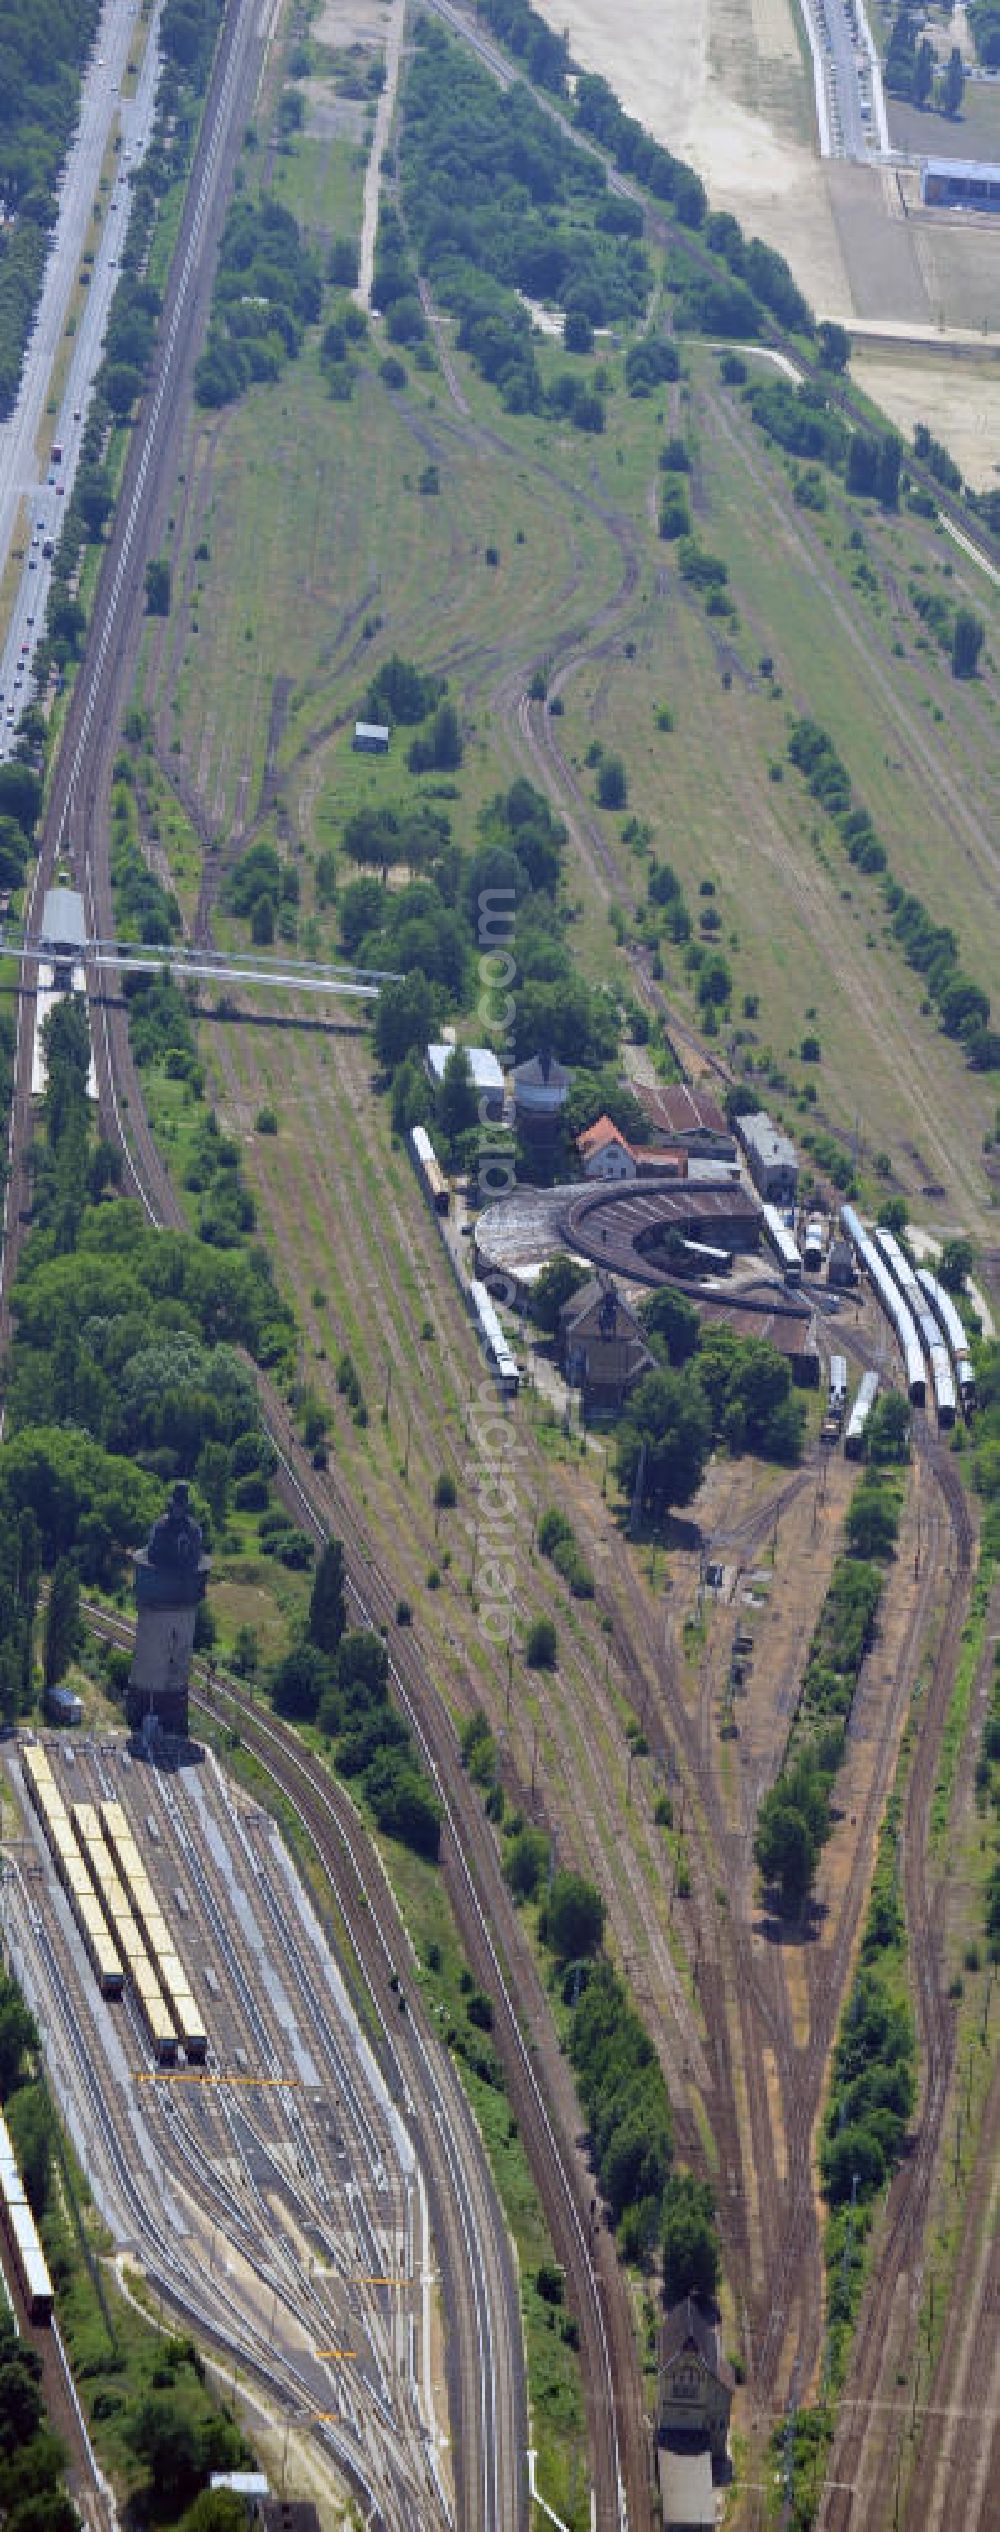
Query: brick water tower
point(170, 1578)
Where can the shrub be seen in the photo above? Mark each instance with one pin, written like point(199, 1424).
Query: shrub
point(541, 1649)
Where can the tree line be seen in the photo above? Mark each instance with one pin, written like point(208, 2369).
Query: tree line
point(337, 1678)
point(654, 2205)
point(931, 949)
point(795, 1817)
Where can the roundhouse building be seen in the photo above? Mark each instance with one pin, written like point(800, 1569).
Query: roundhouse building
point(634, 1229)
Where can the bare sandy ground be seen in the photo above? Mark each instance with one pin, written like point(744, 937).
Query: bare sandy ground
point(726, 84)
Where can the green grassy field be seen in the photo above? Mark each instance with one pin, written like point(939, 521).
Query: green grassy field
point(308, 550)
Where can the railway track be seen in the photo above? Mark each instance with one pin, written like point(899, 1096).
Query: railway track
point(520, 2032)
point(901, 2237)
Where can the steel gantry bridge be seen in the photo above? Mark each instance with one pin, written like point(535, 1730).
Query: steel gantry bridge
point(220, 967)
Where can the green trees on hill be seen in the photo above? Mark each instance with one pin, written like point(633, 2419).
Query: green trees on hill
point(338, 1678)
point(267, 289)
point(497, 202)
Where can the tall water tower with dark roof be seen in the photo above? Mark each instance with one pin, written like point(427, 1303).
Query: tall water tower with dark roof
point(170, 1578)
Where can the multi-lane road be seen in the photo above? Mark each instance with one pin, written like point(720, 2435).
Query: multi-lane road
point(51, 407)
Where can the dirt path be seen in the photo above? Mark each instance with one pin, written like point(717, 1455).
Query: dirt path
point(373, 173)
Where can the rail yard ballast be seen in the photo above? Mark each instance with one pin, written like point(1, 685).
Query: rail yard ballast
point(925, 1343)
point(111, 1898)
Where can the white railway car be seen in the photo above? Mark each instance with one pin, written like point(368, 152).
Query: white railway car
point(837, 1396)
point(854, 1438)
point(173, 1984)
point(813, 1244)
point(784, 1244)
point(899, 1265)
point(891, 1300)
point(953, 1330)
point(155, 2012)
point(22, 2234)
point(428, 1169)
point(493, 1340)
point(907, 1278)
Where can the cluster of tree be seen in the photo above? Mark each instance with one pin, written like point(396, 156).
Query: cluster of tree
point(798, 418)
point(933, 454)
point(176, 2438)
point(43, 48)
point(988, 1786)
point(762, 271)
point(83, 1319)
point(986, 1450)
point(556, 1539)
point(666, 899)
point(795, 1818)
point(128, 349)
point(145, 910)
point(66, 1173)
point(339, 1679)
point(719, 1388)
point(555, 1285)
point(984, 20)
point(526, 35)
point(421, 937)
point(873, 2090)
point(636, 154)
point(624, 2096)
point(431, 928)
point(32, 2461)
point(650, 363)
point(347, 327)
point(257, 886)
point(931, 948)
point(400, 692)
point(20, 1571)
point(716, 303)
point(749, 1389)
point(395, 282)
point(20, 802)
point(573, 400)
point(811, 749)
point(619, 2075)
point(497, 201)
point(267, 290)
point(958, 630)
point(911, 69)
point(704, 571)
